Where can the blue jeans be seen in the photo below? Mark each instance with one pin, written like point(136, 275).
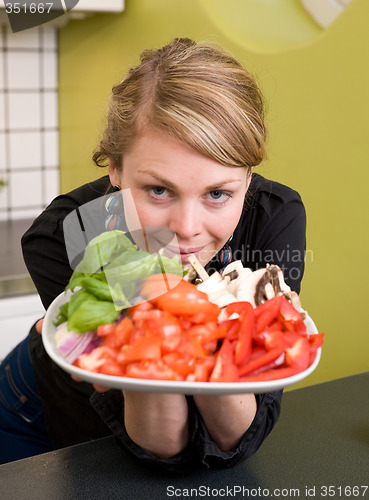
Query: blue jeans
point(22, 428)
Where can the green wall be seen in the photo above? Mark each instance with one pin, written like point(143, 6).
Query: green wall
point(318, 116)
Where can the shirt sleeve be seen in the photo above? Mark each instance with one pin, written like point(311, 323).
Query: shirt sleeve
point(43, 245)
point(45, 254)
point(201, 451)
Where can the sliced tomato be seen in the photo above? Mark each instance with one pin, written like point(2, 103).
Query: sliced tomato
point(143, 306)
point(203, 369)
point(203, 317)
point(183, 365)
point(112, 367)
point(123, 330)
point(162, 324)
point(151, 369)
point(208, 332)
point(144, 348)
point(159, 284)
point(93, 360)
point(210, 346)
point(120, 335)
point(105, 330)
point(186, 300)
point(191, 346)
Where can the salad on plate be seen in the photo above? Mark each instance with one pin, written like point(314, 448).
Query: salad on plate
point(129, 316)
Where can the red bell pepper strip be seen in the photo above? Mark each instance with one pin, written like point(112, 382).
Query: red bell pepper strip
point(237, 307)
point(291, 318)
point(261, 361)
point(315, 341)
point(272, 374)
point(245, 335)
point(298, 356)
point(275, 340)
point(224, 370)
point(267, 312)
point(233, 326)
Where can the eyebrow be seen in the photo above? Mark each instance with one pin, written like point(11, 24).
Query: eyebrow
point(170, 185)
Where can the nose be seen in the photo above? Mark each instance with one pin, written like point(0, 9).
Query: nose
point(185, 220)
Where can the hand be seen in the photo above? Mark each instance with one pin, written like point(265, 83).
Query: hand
point(39, 324)
point(98, 388)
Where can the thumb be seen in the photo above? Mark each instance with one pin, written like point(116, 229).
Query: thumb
point(39, 325)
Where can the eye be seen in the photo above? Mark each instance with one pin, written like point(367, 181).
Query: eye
point(157, 192)
point(219, 196)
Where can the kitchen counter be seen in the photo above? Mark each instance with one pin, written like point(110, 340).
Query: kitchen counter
point(14, 277)
point(319, 448)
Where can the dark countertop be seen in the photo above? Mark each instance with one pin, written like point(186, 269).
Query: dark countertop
point(320, 441)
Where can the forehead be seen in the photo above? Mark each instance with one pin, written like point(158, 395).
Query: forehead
point(158, 155)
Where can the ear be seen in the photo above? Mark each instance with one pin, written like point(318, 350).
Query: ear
point(113, 174)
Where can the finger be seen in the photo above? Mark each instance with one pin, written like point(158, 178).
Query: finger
point(100, 388)
point(39, 325)
point(76, 379)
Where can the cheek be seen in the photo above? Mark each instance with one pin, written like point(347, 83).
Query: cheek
point(149, 216)
point(224, 224)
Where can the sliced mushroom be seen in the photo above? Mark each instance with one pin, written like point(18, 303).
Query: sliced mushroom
point(247, 289)
point(200, 270)
point(213, 283)
point(236, 283)
point(233, 267)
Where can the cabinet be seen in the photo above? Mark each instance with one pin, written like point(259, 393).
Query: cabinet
point(65, 9)
point(82, 5)
point(17, 315)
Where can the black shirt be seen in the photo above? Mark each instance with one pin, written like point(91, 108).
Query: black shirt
point(271, 229)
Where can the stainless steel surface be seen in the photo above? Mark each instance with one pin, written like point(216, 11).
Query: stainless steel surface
point(14, 277)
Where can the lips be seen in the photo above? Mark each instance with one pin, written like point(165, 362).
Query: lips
point(183, 253)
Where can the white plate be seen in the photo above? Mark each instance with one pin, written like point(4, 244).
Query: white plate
point(48, 337)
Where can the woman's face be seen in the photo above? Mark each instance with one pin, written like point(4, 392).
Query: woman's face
point(176, 187)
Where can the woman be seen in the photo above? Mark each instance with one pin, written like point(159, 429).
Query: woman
point(185, 129)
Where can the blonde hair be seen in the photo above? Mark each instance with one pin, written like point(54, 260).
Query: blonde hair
point(197, 93)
